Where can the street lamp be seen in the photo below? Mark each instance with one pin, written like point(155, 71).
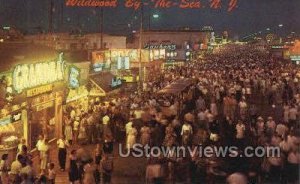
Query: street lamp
point(280, 25)
point(154, 16)
point(268, 29)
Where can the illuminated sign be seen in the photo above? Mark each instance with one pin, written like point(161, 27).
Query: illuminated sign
point(279, 47)
point(74, 74)
point(5, 121)
point(116, 82)
point(44, 106)
point(161, 46)
point(123, 63)
point(39, 90)
point(16, 117)
point(27, 76)
point(98, 67)
point(295, 57)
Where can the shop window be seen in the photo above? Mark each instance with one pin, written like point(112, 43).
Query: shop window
point(42, 119)
point(11, 130)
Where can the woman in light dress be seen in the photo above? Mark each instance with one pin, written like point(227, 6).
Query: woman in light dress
point(44, 153)
point(68, 131)
point(145, 135)
point(131, 137)
point(286, 109)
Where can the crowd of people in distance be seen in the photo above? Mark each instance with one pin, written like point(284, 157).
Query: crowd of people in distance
point(239, 97)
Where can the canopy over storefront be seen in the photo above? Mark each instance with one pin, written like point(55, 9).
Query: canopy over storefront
point(104, 83)
point(176, 87)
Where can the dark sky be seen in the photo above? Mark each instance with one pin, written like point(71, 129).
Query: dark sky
point(250, 16)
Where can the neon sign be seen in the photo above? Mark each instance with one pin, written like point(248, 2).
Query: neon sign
point(28, 76)
point(161, 46)
point(74, 77)
point(116, 82)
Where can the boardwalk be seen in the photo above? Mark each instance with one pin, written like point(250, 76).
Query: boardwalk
point(126, 170)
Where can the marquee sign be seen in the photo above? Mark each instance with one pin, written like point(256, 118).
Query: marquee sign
point(39, 90)
point(161, 46)
point(26, 76)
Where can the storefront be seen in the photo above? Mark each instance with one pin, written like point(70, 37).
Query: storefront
point(295, 59)
point(174, 45)
point(77, 92)
point(33, 83)
point(124, 59)
point(13, 127)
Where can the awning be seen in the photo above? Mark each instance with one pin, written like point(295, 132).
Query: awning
point(103, 83)
point(177, 86)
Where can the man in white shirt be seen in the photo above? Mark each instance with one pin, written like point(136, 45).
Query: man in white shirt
point(105, 120)
point(39, 144)
point(62, 152)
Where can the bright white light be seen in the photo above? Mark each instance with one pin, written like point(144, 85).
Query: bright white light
point(155, 16)
point(134, 31)
point(268, 29)
point(280, 25)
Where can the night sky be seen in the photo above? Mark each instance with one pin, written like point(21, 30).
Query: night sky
point(250, 16)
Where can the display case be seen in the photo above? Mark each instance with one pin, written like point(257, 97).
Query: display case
point(11, 131)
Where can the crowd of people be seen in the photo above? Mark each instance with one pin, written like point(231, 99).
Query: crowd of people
point(240, 97)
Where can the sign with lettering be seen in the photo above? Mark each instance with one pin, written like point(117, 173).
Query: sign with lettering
point(295, 57)
point(137, 4)
point(116, 82)
point(16, 116)
point(161, 46)
point(5, 121)
point(74, 74)
point(39, 90)
point(279, 47)
point(44, 106)
point(28, 76)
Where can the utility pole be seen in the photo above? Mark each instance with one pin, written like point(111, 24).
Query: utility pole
point(101, 28)
point(50, 23)
point(140, 48)
point(62, 17)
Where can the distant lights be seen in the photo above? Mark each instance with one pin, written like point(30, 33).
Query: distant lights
point(280, 25)
point(134, 31)
point(155, 16)
point(268, 29)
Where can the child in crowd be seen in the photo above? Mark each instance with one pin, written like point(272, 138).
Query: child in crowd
point(51, 174)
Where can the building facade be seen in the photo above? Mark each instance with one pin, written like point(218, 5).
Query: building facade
point(68, 42)
point(179, 45)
